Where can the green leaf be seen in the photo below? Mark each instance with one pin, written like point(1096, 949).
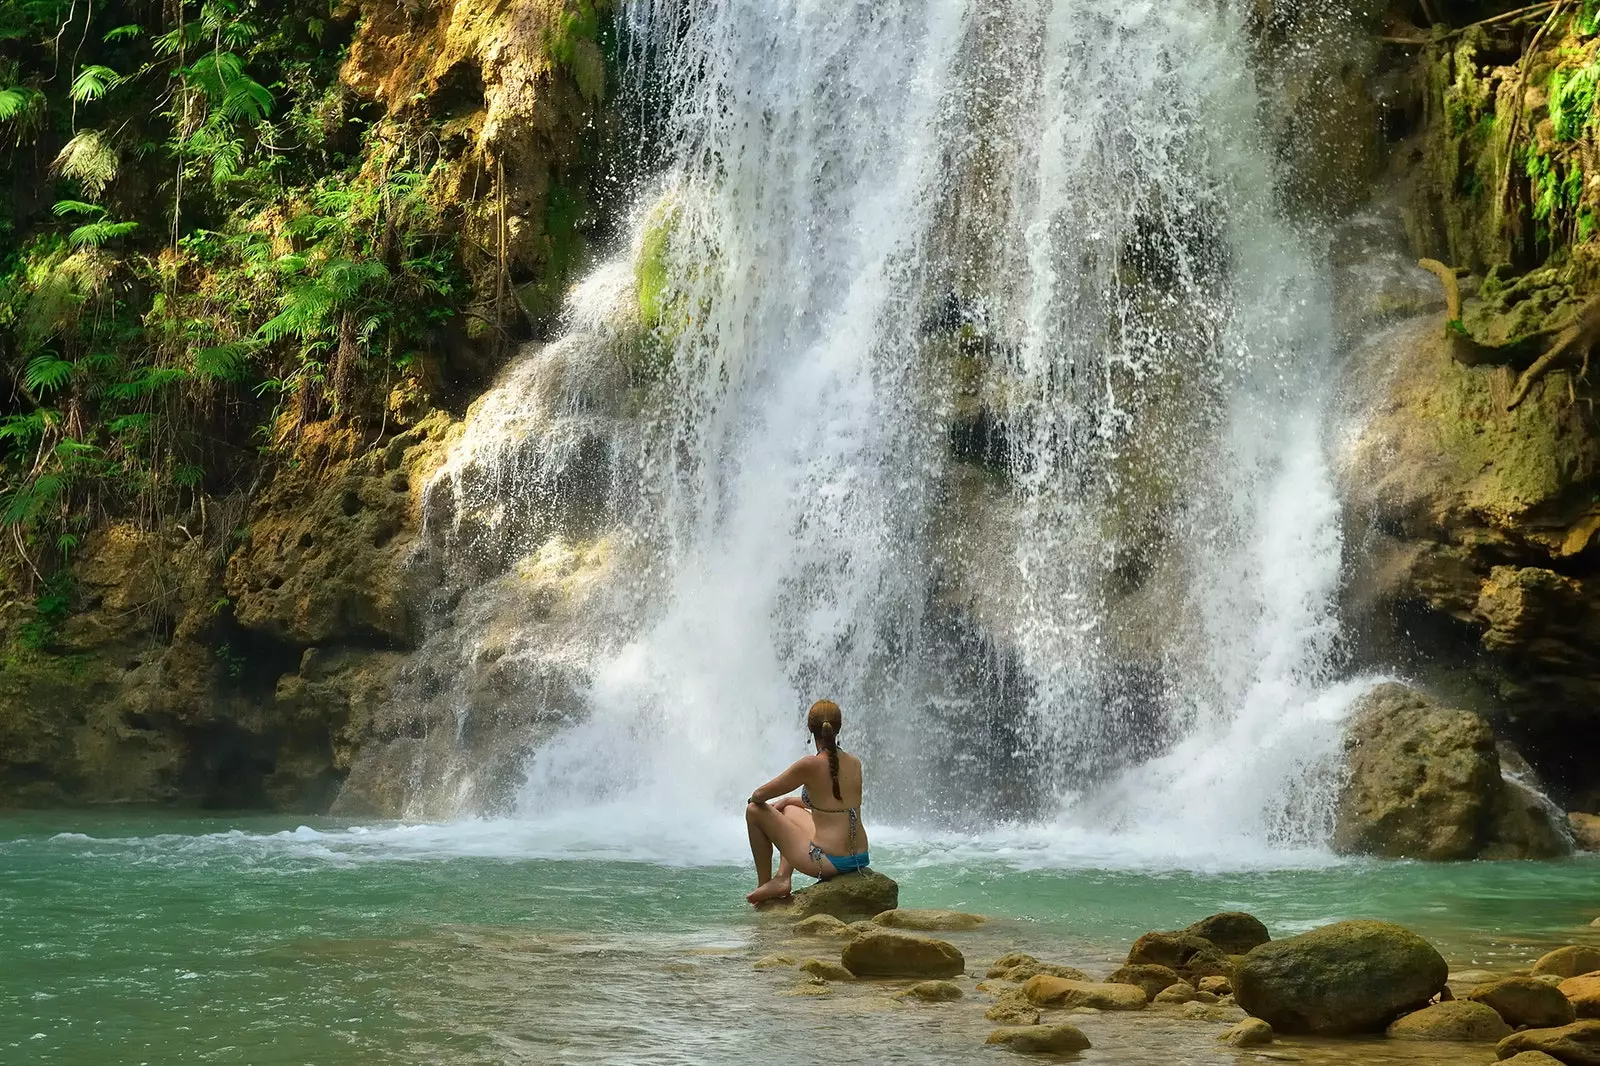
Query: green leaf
point(77, 207)
point(93, 82)
point(94, 234)
point(122, 33)
point(15, 101)
point(46, 374)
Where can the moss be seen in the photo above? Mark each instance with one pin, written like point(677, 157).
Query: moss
point(566, 250)
point(572, 42)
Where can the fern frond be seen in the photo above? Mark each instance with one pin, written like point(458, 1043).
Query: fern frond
point(46, 373)
point(93, 82)
point(15, 101)
point(223, 362)
point(122, 33)
point(94, 234)
point(77, 207)
point(89, 159)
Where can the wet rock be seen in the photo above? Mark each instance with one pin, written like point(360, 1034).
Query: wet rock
point(934, 991)
point(1011, 1007)
point(820, 925)
point(1585, 830)
point(1233, 932)
point(1019, 966)
point(1462, 1021)
point(1191, 956)
point(849, 896)
point(812, 987)
point(827, 970)
point(1577, 1044)
point(1531, 1058)
point(1046, 991)
point(930, 921)
point(1349, 977)
point(1525, 1002)
point(889, 953)
point(855, 929)
point(1252, 1032)
point(1153, 979)
point(1206, 1012)
point(1570, 961)
point(777, 961)
point(1182, 992)
point(1040, 1039)
point(1217, 986)
point(1584, 993)
point(1526, 825)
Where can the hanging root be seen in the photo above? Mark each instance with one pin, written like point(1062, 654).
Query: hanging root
point(1452, 287)
point(1579, 336)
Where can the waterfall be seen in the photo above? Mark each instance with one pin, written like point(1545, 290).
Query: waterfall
point(960, 368)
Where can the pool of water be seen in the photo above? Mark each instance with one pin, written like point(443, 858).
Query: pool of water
point(128, 937)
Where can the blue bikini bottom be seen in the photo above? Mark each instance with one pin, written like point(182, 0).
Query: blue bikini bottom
point(843, 863)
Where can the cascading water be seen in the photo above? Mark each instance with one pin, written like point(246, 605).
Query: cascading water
point(974, 382)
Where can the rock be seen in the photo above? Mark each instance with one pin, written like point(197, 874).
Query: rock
point(855, 929)
point(1525, 1002)
point(1191, 956)
point(889, 953)
point(1577, 1044)
point(773, 962)
point(1531, 1058)
point(1570, 961)
point(1349, 977)
point(1584, 992)
point(930, 921)
point(820, 925)
point(1012, 1008)
point(1217, 986)
point(1208, 997)
point(1204, 1012)
point(1147, 976)
point(1462, 1021)
point(1423, 779)
point(1233, 932)
point(1526, 825)
point(1047, 991)
point(849, 896)
point(1252, 1032)
point(934, 991)
point(811, 987)
point(827, 970)
point(1040, 1039)
point(1585, 831)
point(1182, 992)
point(1019, 966)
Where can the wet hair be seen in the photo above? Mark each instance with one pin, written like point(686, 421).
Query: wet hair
point(824, 721)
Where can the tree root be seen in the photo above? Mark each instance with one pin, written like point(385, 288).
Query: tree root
point(1452, 287)
point(1578, 336)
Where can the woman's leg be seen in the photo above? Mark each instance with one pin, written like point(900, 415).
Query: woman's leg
point(792, 842)
point(779, 886)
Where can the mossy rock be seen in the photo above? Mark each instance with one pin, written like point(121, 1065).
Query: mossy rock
point(849, 897)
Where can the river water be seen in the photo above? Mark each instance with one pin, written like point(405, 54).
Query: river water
point(130, 938)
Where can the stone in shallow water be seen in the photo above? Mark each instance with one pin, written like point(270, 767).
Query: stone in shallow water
point(1217, 986)
point(1526, 1001)
point(1570, 961)
point(1192, 957)
point(1182, 992)
point(812, 987)
point(929, 921)
point(1462, 1021)
point(849, 896)
point(1586, 831)
point(1577, 1044)
point(889, 953)
point(1531, 1058)
point(1252, 1032)
point(774, 962)
point(1018, 966)
point(827, 970)
point(1040, 1039)
point(1233, 932)
point(1153, 979)
point(1047, 991)
point(1013, 1008)
point(1348, 977)
point(1584, 993)
point(934, 991)
point(820, 925)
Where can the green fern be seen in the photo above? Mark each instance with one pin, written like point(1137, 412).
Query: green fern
point(46, 374)
point(223, 362)
point(95, 234)
point(89, 159)
point(77, 207)
point(93, 82)
point(121, 33)
point(17, 101)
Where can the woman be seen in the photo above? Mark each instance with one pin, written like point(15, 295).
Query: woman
point(820, 839)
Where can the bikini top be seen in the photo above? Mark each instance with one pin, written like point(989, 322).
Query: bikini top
point(853, 812)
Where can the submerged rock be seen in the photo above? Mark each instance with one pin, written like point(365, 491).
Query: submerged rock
point(1217, 986)
point(1148, 976)
point(1252, 1032)
point(934, 991)
point(1193, 957)
point(849, 896)
point(821, 925)
point(1570, 961)
point(889, 953)
point(1577, 1044)
point(1349, 977)
point(827, 970)
point(1182, 992)
point(1233, 932)
point(1040, 1039)
point(1011, 1007)
point(1531, 1058)
point(1584, 993)
point(1046, 991)
point(776, 961)
point(1525, 1001)
point(1462, 1021)
point(930, 921)
point(1018, 966)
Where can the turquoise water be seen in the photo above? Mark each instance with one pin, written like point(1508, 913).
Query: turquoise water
point(162, 939)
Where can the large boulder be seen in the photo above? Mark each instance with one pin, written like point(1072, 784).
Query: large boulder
point(1586, 829)
point(1233, 932)
point(1461, 1021)
point(1570, 961)
point(1584, 993)
point(1577, 1044)
point(889, 953)
point(1525, 1002)
point(850, 897)
point(1349, 977)
point(1047, 991)
point(1192, 957)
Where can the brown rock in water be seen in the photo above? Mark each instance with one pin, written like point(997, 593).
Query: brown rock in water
point(889, 953)
point(820, 925)
point(1153, 979)
point(1525, 1002)
point(1577, 1044)
point(1019, 966)
point(934, 991)
point(1531, 1058)
point(1217, 986)
point(1349, 977)
point(1011, 1007)
point(1182, 992)
point(1047, 991)
point(849, 896)
point(1584, 993)
point(1192, 957)
point(1233, 932)
point(930, 921)
point(827, 970)
point(1252, 1032)
point(1570, 961)
point(1586, 831)
point(777, 961)
point(1040, 1039)
point(1462, 1021)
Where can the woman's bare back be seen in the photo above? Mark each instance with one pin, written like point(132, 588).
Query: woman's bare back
point(833, 815)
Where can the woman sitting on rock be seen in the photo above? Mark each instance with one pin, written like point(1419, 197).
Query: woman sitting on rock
point(819, 841)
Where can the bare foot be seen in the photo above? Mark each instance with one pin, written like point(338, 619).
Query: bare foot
point(776, 888)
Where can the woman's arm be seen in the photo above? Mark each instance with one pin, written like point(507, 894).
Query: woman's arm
point(784, 783)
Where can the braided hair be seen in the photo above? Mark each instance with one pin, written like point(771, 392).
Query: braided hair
point(824, 720)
